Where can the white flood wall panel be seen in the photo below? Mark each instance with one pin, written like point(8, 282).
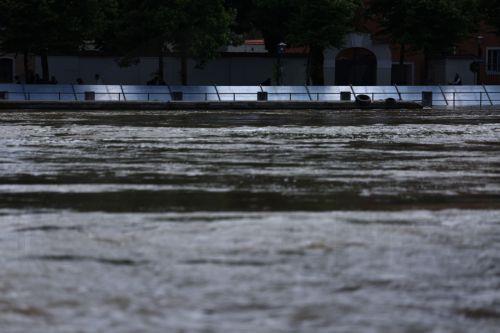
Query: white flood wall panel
point(238, 93)
point(465, 95)
point(287, 93)
point(414, 94)
point(102, 92)
point(493, 94)
point(15, 92)
point(328, 93)
point(196, 93)
point(49, 92)
point(147, 93)
point(377, 92)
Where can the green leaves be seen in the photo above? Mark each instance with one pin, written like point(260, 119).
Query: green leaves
point(492, 13)
point(41, 25)
point(432, 26)
point(312, 24)
point(193, 28)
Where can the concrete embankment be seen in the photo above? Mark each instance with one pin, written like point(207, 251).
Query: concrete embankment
point(145, 106)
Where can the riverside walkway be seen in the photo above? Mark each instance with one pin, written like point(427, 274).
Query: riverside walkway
point(242, 97)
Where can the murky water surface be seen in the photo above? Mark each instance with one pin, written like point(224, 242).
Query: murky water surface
point(250, 222)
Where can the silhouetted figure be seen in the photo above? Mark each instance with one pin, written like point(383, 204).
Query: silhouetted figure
point(267, 82)
point(153, 81)
point(79, 81)
point(98, 79)
point(17, 80)
point(30, 77)
point(53, 80)
point(457, 81)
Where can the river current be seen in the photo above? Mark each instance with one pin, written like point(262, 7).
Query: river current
point(282, 221)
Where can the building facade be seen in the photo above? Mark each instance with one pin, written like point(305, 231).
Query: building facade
point(364, 59)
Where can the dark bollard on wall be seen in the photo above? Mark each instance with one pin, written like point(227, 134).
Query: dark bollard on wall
point(427, 99)
point(177, 96)
point(90, 96)
point(345, 95)
point(262, 96)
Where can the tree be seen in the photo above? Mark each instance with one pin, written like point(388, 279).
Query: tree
point(392, 16)
point(42, 26)
point(318, 25)
point(201, 29)
point(313, 24)
point(191, 28)
point(429, 26)
point(492, 13)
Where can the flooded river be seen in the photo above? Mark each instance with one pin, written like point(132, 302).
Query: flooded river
point(372, 221)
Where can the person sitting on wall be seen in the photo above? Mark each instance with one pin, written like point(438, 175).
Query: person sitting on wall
point(53, 80)
point(98, 79)
point(266, 82)
point(79, 81)
point(457, 81)
point(153, 81)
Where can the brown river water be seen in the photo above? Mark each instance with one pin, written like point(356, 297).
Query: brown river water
point(298, 221)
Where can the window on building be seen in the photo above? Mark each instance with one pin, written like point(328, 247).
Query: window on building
point(402, 75)
point(6, 70)
point(493, 61)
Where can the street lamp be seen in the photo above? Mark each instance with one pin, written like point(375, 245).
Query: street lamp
point(281, 50)
point(479, 57)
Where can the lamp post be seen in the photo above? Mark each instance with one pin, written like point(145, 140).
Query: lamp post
point(479, 57)
point(281, 51)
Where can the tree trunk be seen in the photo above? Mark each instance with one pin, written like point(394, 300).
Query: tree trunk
point(402, 71)
point(27, 74)
point(45, 67)
point(317, 65)
point(161, 67)
point(308, 69)
point(426, 68)
point(184, 69)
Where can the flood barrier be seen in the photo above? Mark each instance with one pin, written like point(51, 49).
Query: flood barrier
point(437, 96)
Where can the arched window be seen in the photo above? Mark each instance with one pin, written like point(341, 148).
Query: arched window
point(356, 66)
point(6, 70)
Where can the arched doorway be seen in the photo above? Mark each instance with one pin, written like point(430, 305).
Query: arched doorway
point(6, 70)
point(356, 66)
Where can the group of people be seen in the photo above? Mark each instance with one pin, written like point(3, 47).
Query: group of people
point(97, 80)
point(156, 81)
point(36, 79)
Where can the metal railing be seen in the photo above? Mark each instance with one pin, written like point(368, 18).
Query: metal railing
point(454, 99)
point(451, 99)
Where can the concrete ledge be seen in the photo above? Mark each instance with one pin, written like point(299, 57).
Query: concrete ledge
point(148, 106)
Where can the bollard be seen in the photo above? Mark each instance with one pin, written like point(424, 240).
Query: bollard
point(262, 96)
point(177, 96)
point(4, 95)
point(427, 99)
point(345, 95)
point(90, 96)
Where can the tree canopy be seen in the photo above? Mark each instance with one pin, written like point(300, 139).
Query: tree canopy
point(192, 28)
point(199, 29)
point(429, 26)
point(492, 10)
point(312, 24)
point(43, 26)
